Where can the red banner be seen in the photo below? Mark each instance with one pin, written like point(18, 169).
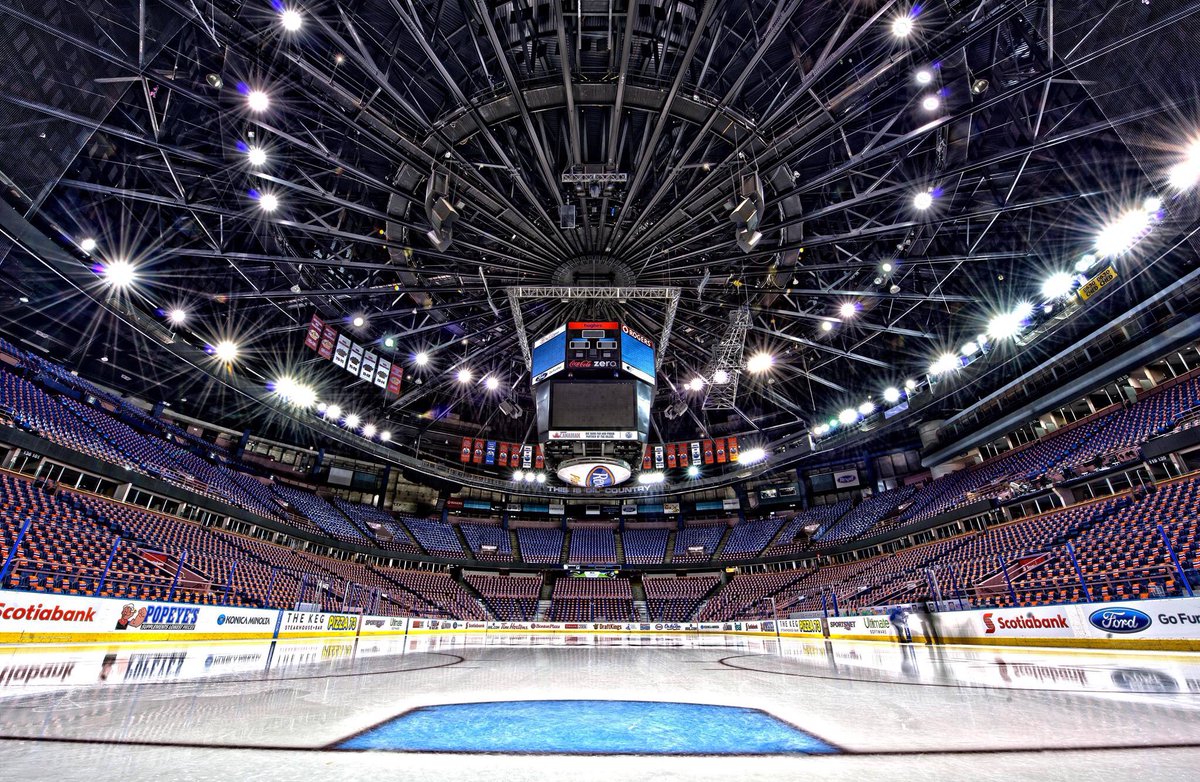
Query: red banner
point(477, 457)
point(464, 455)
point(720, 450)
point(646, 458)
point(502, 456)
point(708, 451)
point(672, 463)
point(315, 327)
point(539, 461)
point(733, 449)
point(329, 338)
point(394, 377)
point(682, 449)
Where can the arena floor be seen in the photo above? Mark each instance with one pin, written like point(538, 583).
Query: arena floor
point(729, 708)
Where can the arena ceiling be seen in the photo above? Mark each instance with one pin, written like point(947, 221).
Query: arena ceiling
point(923, 170)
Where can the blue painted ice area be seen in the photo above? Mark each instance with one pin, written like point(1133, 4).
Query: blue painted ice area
point(589, 727)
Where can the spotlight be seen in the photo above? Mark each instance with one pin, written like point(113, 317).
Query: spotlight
point(215, 81)
point(979, 86)
point(696, 384)
point(931, 103)
point(821, 429)
point(421, 359)
point(257, 156)
point(384, 436)
point(268, 202)
point(922, 201)
point(1085, 263)
point(752, 456)
point(333, 412)
point(848, 416)
point(491, 383)
point(970, 349)
point(650, 478)
point(1123, 233)
point(720, 377)
point(119, 273)
point(886, 268)
point(902, 26)
point(866, 408)
point(369, 431)
point(359, 321)
point(541, 477)
point(258, 101)
point(1006, 326)
point(225, 351)
point(760, 362)
point(693, 471)
point(891, 395)
point(464, 376)
point(947, 362)
point(910, 384)
point(88, 244)
point(924, 76)
point(827, 325)
point(291, 20)
point(1058, 285)
point(351, 421)
point(519, 476)
point(321, 408)
point(389, 342)
point(530, 476)
point(848, 310)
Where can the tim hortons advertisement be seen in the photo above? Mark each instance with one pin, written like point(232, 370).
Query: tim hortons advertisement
point(36, 617)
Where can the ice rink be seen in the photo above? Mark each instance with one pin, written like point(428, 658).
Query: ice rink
point(284, 710)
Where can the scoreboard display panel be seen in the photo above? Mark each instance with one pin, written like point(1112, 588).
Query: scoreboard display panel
point(637, 354)
point(549, 354)
point(593, 346)
point(598, 405)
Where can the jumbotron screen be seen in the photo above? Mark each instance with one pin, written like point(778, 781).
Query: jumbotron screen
point(608, 405)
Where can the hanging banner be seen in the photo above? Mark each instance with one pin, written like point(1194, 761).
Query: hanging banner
point(527, 456)
point(502, 456)
point(315, 327)
point(708, 452)
point(342, 353)
point(329, 338)
point(672, 463)
point(720, 450)
point(732, 447)
point(367, 372)
point(477, 454)
point(539, 459)
point(464, 455)
point(489, 455)
point(354, 361)
point(382, 370)
point(646, 458)
point(659, 461)
point(393, 382)
point(696, 453)
point(683, 454)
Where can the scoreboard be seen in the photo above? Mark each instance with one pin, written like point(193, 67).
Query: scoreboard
point(593, 381)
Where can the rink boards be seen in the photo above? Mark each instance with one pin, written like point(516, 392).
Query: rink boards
point(32, 617)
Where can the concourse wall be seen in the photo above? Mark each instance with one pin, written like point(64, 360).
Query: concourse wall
point(37, 617)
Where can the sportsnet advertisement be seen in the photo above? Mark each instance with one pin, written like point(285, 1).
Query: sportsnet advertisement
point(34, 617)
point(872, 628)
point(382, 625)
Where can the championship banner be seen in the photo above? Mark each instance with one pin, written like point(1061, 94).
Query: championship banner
point(477, 455)
point(696, 453)
point(394, 377)
point(502, 457)
point(367, 372)
point(708, 452)
point(720, 450)
point(329, 338)
point(354, 361)
point(671, 461)
point(732, 446)
point(646, 458)
point(527, 456)
point(659, 462)
point(382, 370)
point(489, 455)
point(315, 327)
point(539, 460)
point(342, 353)
point(464, 455)
point(683, 454)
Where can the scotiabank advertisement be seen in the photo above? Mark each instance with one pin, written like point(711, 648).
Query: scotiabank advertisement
point(1140, 624)
point(36, 617)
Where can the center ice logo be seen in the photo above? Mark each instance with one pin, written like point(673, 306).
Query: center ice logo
point(1120, 620)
